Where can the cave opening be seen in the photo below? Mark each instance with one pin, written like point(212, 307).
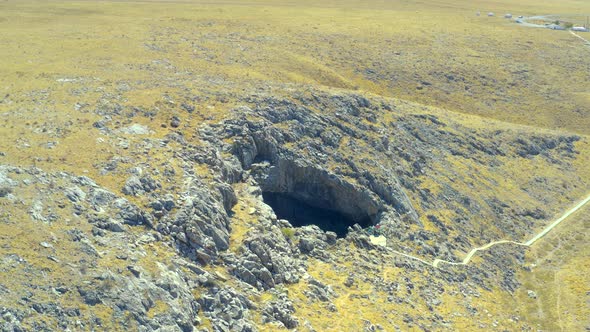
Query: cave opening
point(301, 213)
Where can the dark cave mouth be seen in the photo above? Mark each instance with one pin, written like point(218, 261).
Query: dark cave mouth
point(301, 213)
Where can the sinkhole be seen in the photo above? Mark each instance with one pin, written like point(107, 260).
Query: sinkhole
point(303, 213)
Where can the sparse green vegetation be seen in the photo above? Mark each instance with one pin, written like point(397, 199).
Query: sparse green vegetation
point(289, 233)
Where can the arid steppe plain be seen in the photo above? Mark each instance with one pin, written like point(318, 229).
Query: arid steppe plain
point(137, 140)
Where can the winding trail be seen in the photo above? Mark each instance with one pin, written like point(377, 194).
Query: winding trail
point(435, 263)
point(528, 243)
point(558, 221)
point(544, 232)
point(582, 38)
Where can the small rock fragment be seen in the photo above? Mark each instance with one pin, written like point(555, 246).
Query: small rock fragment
point(531, 294)
point(45, 245)
point(175, 122)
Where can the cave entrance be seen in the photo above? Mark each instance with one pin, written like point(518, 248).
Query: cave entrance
point(300, 213)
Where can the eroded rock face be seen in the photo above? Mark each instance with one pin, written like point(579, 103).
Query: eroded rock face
point(201, 225)
point(227, 310)
point(121, 293)
point(319, 188)
point(284, 148)
point(302, 172)
point(280, 312)
point(267, 260)
point(78, 258)
point(342, 159)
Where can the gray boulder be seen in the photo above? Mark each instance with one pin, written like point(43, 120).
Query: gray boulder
point(280, 311)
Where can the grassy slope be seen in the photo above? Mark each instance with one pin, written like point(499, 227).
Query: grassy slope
point(559, 275)
point(498, 69)
point(381, 47)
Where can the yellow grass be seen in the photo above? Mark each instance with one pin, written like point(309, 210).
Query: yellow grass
point(156, 55)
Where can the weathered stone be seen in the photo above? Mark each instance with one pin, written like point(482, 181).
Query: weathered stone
point(266, 261)
point(228, 310)
point(75, 194)
point(531, 294)
point(133, 186)
point(175, 122)
point(281, 311)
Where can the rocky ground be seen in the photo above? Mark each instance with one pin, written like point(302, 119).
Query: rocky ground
point(196, 247)
point(140, 148)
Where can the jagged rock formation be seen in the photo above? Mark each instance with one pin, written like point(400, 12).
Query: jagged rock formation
point(364, 159)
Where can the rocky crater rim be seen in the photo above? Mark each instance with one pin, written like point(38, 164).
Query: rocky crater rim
point(309, 195)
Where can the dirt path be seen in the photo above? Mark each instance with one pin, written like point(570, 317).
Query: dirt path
point(467, 258)
point(528, 243)
point(558, 221)
point(544, 232)
point(582, 38)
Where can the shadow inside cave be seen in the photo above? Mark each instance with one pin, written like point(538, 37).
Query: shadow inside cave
point(300, 213)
